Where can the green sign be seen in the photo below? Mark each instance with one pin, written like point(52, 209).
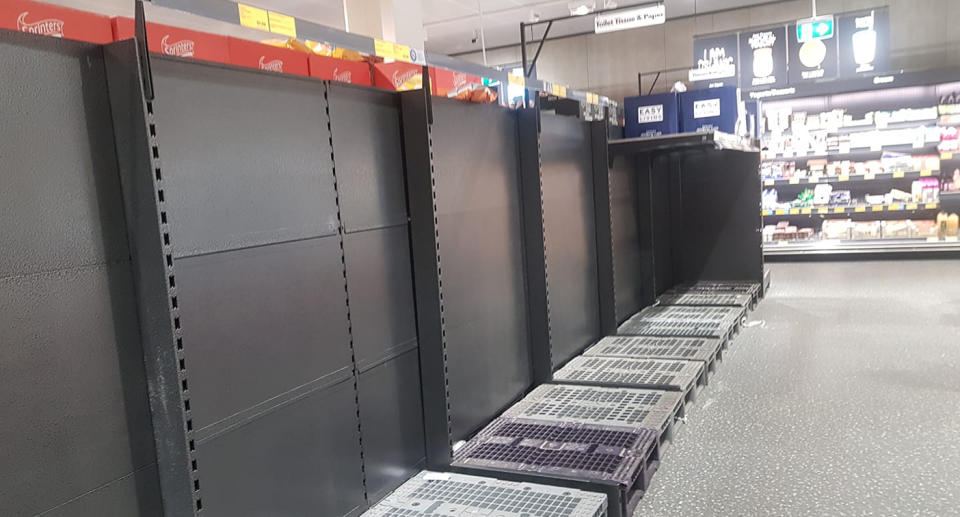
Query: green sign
point(813, 29)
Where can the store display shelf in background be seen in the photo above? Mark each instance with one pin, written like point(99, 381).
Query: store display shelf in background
point(849, 178)
point(862, 154)
point(855, 247)
point(846, 130)
point(907, 208)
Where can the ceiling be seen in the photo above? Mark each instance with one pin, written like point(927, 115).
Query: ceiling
point(452, 25)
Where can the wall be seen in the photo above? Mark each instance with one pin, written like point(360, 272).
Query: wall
point(924, 34)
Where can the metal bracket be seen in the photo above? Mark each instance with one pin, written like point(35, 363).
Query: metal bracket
point(143, 49)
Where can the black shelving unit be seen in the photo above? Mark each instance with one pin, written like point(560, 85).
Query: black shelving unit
point(698, 204)
point(277, 282)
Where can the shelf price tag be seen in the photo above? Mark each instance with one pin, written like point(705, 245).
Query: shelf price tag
point(806, 211)
point(794, 211)
point(282, 24)
point(911, 206)
point(781, 212)
point(898, 174)
point(768, 183)
point(930, 206)
point(860, 209)
point(926, 173)
point(390, 50)
point(869, 176)
point(794, 181)
point(253, 17)
point(878, 208)
point(895, 207)
point(843, 177)
point(839, 210)
point(516, 80)
point(823, 210)
point(946, 156)
point(766, 212)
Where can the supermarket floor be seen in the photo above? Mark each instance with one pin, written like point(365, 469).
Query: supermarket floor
point(844, 401)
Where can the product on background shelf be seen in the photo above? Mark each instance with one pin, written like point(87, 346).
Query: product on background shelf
point(947, 225)
point(865, 230)
point(897, 229)
point(925, 228)
point(836, 228)
point(804, 198)
point(821, 194)
point(840, 197)
point(769, 199)
point(805, 234)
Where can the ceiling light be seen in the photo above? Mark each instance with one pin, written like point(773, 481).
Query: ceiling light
point(609, 4)
point(534, 17)
point(581, 8)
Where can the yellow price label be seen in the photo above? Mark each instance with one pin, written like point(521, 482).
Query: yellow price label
point(794, 181)
point(895, 207)
point(383, 49)
point(781, 212)
point(794, 211)
point(911, 206)
point(860, 209)
point(878, 208)
point(843, 177)
point(926, 173)
point(253, 17)
point(946, 156)
point(839, 210)
point(898, 174)
point(768, 182)
point(930, 206)
point(766, 212)
point(516, 80)
point(869, 176)
point(806, 211)
point(282, 24)
point(563, 91)
point(822, 210)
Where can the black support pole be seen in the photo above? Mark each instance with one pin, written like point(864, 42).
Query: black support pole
point(531, 191)
point(604, 232)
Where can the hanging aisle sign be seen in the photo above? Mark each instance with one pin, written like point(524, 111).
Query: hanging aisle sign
point(763, 53)
point(630, 18)
point(715, 60)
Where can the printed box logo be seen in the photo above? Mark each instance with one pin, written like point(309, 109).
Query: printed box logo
point(400, 78)
point(48, 27)
point(182, 48)
point(344, 77)
point(706, 108)
point(649, 114)
point(273, 66)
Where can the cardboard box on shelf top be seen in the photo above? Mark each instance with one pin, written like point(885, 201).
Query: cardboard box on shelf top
point(398, 76)
point(55, 21)
point(174, 41)
point(445, 81)
point(341, 70)
point(252, 54)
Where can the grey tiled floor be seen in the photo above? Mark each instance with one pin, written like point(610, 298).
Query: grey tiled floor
point(845, 401)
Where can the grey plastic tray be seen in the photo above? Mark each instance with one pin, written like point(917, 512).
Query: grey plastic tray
point(629, 407)
point(676, 328)
point(708, 350)
point(706, 299)
point(461, 495)
point(682, 376)
point(690, 313)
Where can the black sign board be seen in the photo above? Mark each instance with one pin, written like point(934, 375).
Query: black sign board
point(763, 58)
point(812, 60)
point(715, 60)
point(864, 39)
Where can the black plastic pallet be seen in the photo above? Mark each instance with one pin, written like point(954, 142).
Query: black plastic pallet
point(674, 328)
point(707, 299)
point(629, 407)
point(452, 494)
point(708, 350)
point(663, 374)
point(617, 460)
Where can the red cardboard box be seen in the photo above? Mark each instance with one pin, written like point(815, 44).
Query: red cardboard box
point(333, 69)
point(53, 20)
point(445, 81)
point(174, 41)
point(394, 76)
point(266, 57)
